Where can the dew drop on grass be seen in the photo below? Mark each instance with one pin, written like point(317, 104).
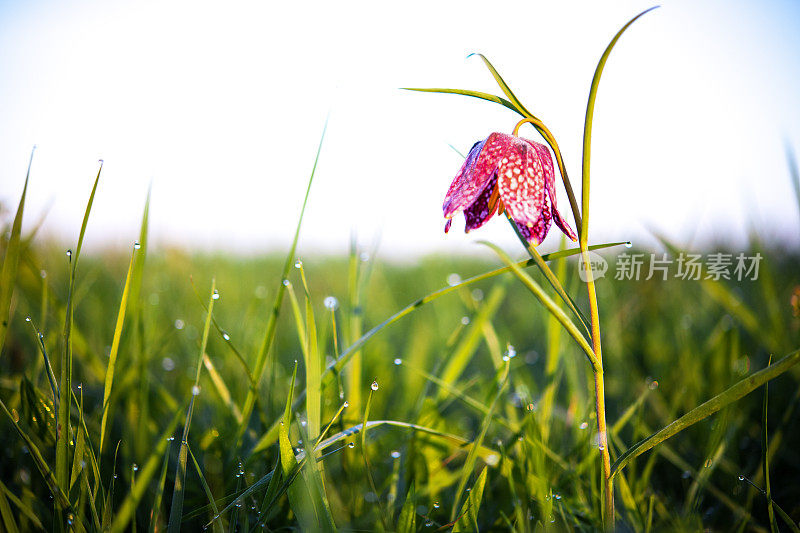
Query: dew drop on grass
point(584, 425)
point(741, 477)
point(686, 474)
point(226, 336)
point(511, 352)
point(215, 295)
point(69, 254)
point(374, 385)
point(364, 257)
point(395, 454)
point(27, 319)
point(287, 283)
point(477, 295)
point(179, 324)
point(135, 467)
point(136, 245)
point(398, 361)
point(195, 390)
point(346, 405)
point(428, 523)
point(298, 264)
point(331, 303)
point(168, 364)
point(629, 244)
point(464, 320)
point(41, 335)
point(653, 385)
point(453, 279)
point(436, 505)
point(351, 444)
point(43, 274)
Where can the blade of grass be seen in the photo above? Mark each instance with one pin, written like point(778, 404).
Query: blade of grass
point(62, 444)
point(727, 397)
point(472, 457)
point(155, 509)
point(269, 336)
point(214, 523)
point(112, 356)
point(313, 364)
point(468, 517)
point(8, 521)
point(765, 458)
point(8, 275)
point(176, 510)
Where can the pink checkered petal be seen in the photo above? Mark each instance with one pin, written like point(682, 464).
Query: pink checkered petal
point(476, 172)
point(550, 186)
point(521, 183)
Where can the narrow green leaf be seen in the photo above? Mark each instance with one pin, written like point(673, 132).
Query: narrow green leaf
point(472, 457)
point(505, 88)
point(407, 522)
point(178, 491)
point(6, 516)
point(727, 397)
point(155, 509)
point(269, 336)
point(112, 356)
point(215, 523)
point(587, 128)
point(8, 275)
point(313, 364)
point(468, 517)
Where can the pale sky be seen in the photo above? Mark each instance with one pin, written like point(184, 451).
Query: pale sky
point(221, 105)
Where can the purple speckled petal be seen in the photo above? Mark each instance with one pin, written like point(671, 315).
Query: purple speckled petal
point(476, 172)
point(521, 183)
point(550, 186)
point(483, 208)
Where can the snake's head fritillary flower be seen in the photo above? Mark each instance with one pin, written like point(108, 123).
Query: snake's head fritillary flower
point(511, 174)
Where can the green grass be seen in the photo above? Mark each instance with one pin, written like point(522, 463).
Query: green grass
point(169, 390)
point(449, 383)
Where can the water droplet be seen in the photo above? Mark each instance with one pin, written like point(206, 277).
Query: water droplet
point(351, 444)
point(364, 257)
point(215, 295)
point(629, 244)
point(492, 460)
point(43, 274)
point(346, 405)
point(464, 320)
point(741, 477)
point(398, 361)
point(436, 505)
point(653, 385)
point(100, 161)
point(686, 474)
point(556, 496)
point(584, 425)
point(453, 279)
point(41, 335)
point(511, 352)
point(331, 302)
point(168, 364)
point(374, 385)
point(27, 319)
point(195, 390)
point(170, 439)
point(600, 446)
point(226, 336)
point(298, 264)
point(477, 295)
point(287, 283)
point(69, 254)
point(135, 467)
point(395, 454)
point(136, 245)
point(179, 324)
point(80, 386)
point(428, 523)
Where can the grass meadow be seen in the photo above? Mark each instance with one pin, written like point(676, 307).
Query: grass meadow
point(159, 389)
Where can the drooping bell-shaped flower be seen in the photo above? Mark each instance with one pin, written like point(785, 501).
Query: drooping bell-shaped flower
point(506, 172)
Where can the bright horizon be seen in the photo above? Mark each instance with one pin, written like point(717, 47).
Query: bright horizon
point(222, 111)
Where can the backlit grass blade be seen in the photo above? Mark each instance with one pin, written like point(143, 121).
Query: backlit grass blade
point(179, 488)
point(587, 127)
point(468, 517)
point(765, 458)
point(269, 336)
point(727, 397)
point(125, 512)
point(62, 445)
point(112, 355)
point(80, 447)
point(155, 509)
point(8, 274)
point(215, 523)
point(6, 516)
point(548, 302)
point(313, 365)
point(407, 522)
point(465, 92)
point(222, 389)
point(472, 457)
point(505, 88)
